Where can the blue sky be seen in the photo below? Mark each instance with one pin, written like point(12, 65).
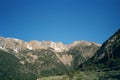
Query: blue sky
point(59, 20)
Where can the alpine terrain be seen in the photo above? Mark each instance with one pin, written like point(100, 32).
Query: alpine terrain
point(103, 65)
point(21, 60)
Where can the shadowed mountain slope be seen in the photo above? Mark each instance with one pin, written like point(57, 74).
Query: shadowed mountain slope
point(108, 56)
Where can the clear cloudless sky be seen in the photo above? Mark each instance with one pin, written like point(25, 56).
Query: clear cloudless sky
point(59, 20)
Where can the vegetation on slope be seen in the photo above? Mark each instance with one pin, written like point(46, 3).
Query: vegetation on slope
point(46, 64)
point(86, 75)
point(10, 68)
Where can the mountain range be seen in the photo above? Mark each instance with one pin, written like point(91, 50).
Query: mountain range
point(103, 65)
point(21, 60)
point(46, 58)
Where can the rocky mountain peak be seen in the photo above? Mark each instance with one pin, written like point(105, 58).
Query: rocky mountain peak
point(83, 43)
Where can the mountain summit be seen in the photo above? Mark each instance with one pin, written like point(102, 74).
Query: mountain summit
point(19, 45)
